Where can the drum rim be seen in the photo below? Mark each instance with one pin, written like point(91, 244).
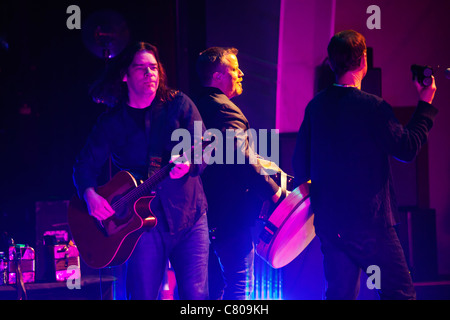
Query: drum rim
point(269, 249)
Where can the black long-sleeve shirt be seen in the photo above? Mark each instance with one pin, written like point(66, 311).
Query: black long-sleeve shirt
point(121, 133)
point(343, 146)
point(231, 188)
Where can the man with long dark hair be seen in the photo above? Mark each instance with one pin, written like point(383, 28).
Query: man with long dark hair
point(136, 134)
point(343, 147)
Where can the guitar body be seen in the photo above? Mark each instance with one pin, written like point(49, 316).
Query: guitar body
point(111, 241)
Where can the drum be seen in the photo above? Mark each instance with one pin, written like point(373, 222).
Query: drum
point(288, 230)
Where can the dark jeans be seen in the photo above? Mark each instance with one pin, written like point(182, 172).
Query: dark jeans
point(345, 255)
point(235, 253)
point(187, 251)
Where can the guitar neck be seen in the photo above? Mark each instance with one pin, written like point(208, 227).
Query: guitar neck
point(145, 188)
point(149, 184)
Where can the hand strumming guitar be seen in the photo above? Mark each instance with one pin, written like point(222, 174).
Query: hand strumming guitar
point(98, 206)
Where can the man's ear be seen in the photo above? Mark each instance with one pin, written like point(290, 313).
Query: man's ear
point(124, 79)
point(363, 62)
point(217, 76)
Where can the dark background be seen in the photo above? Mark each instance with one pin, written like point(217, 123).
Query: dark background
point(46, 70)
point(45, 73)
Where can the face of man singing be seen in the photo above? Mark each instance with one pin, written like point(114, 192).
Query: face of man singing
point(142, 77)
point(229, 77)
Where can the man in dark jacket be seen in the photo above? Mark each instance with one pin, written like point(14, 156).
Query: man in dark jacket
point(227, 186)
point(343, 147)
point(136, 134)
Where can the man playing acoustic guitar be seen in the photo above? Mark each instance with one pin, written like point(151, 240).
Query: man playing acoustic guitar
point(136, 134)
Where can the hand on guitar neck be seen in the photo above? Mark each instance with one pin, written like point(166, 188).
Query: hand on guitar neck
point(181, 167)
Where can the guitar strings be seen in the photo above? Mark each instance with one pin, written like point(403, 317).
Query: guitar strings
point(140, 190)
point(145, 187)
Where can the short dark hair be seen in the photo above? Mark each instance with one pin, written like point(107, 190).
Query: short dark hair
point(345, 50)
point(111, 90)
point(209, 61)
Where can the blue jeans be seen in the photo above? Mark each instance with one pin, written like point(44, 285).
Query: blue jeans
point(235, 252)
point(187, 251)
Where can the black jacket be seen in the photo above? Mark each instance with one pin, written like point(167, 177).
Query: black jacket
point(343, 146)
point(230, 188)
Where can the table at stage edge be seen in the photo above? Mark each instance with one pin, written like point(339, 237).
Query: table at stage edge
point(91, 288)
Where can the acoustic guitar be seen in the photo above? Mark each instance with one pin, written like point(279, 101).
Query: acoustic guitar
point(110, 242)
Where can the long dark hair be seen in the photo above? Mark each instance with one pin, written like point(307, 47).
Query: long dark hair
point(111, 90)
